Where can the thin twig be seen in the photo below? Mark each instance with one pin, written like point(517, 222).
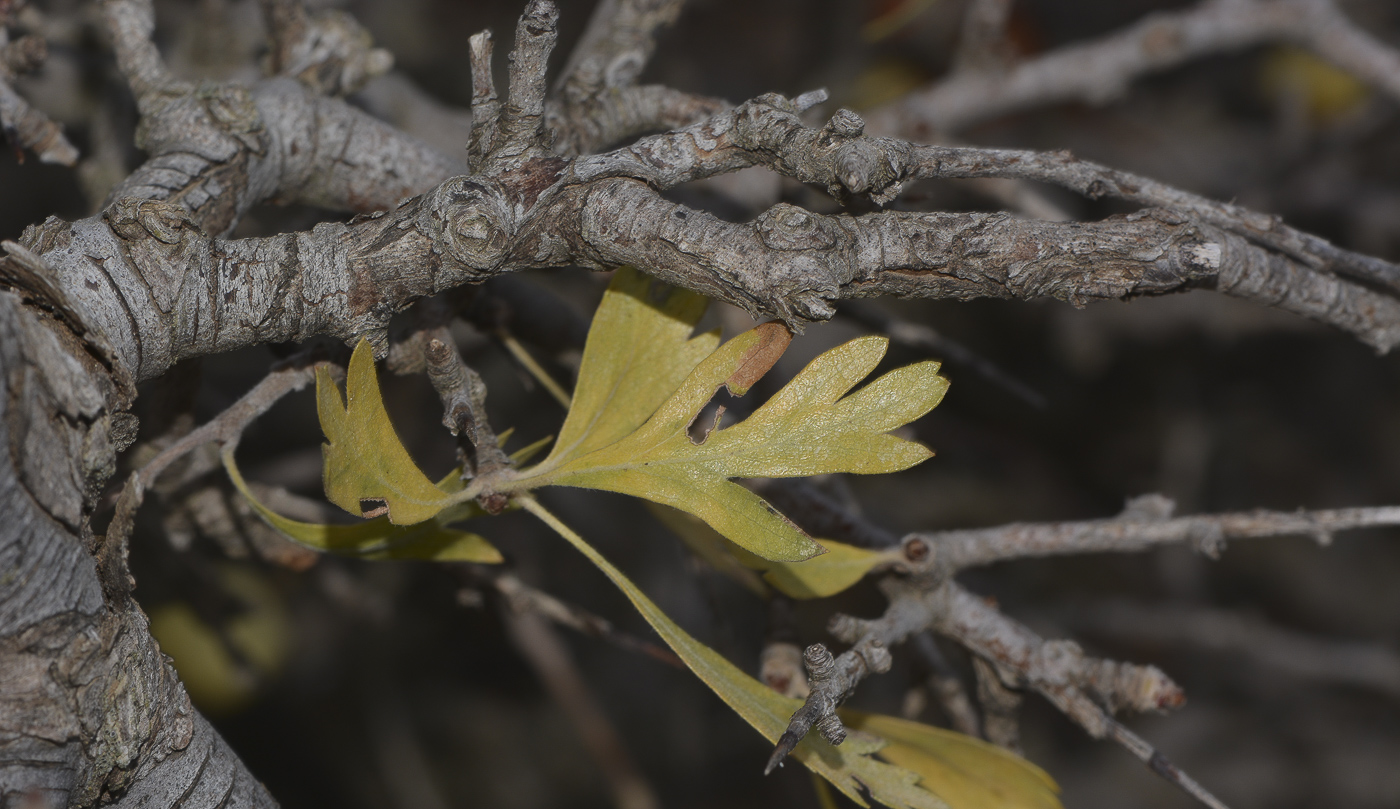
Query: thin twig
point(1279, 650)
point(524, 597)
point(522, 355)
point(228, 426)
point(1145, 524)
point(1101, 70)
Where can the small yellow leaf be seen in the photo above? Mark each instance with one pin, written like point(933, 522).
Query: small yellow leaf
point(378, 538)
point(367, 470)
point(1327, 93)
point(223, 668)
point(969, 771)
point(966, 773)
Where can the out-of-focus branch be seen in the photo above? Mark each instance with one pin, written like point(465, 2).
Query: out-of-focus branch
point(1144, 524)
point(1001, 705)
point(598, 101)
point(21, 123)
point(329, 51)
point(217, 150)
point(947, 686)
point(228, 426)
point(522, 597)
point(616, 45)
point(1238, 635)
point(982, 44)
point(819, 515)
point(1100, 71)
point(550, 659)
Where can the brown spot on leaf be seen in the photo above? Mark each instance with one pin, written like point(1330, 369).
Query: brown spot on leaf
point(774, 338)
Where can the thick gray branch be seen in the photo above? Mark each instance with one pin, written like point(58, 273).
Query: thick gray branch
point(91, 711)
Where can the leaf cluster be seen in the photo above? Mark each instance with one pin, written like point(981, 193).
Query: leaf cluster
point(644, 379)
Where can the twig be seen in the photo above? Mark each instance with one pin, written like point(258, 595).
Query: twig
point(522, 118)
point(1100, 71)
point(1146, 523)
point(228, 426)
point(432, 350)
point(522, 355)
point(1076, 684)
point(1161, 765)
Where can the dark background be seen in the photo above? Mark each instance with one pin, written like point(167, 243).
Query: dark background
point(386, 691)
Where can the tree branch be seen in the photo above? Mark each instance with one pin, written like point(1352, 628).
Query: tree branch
point(1100, 71)
point(1146, 523)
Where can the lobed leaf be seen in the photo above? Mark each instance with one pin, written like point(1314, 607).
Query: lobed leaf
point(367, 471)
point(807, 428)
point(945, 762)
point(968, 773)
point(379, 538)
point(638, 351)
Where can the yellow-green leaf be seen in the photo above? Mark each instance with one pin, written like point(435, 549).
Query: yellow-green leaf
point(639, 349)
point(707, 544)
point(378, 538)
point(367, 470)
point(828, 574)
point(839, 568)
point(853, 767)
point(810, 427)
point(968, 773)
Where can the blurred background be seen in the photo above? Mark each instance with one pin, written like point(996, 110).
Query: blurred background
point(354, 684)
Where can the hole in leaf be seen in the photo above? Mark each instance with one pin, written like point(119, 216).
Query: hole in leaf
point(371, 507)
point(712, 416)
